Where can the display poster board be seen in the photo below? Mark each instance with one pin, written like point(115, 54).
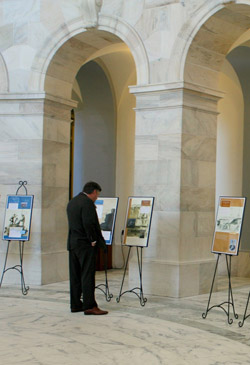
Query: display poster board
point(138, 221)
point(228, 225)
point(17, 218)
point(106, 211)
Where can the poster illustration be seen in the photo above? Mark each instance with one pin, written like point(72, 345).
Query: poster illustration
point(228, 225)
point(17, 219)
point(106, 211)
point(138, 221)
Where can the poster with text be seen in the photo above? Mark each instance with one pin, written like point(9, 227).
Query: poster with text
point(138, 221)
point(106, 210)
point(228, 225)
point(17, 219)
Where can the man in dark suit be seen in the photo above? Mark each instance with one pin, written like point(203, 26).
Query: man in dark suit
point(83, 240)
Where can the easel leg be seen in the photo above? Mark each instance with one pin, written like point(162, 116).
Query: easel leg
point(204, 315)
point(230, 292)
point(23, 287)
point(125, 269)
point(142, 299)
point(105, 291)
point(5, 262)
point(244, 316)
point(108, 295)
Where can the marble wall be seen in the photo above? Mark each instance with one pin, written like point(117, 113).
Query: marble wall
point(178, 49)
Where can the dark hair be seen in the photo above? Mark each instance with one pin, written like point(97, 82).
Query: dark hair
point(90, 186)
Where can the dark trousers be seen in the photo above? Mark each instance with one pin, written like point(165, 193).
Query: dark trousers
point(82, 262)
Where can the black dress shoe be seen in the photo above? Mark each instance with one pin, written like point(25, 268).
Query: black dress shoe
point(95, 311)
point(75, 310)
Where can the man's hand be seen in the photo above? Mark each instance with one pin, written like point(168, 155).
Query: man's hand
point(93, 244)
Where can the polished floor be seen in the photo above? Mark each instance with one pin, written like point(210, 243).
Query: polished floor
point(39, 328)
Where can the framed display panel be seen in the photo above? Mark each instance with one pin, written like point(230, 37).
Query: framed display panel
point(106, 211)
point(138, 221)
point(228, 226)
point(17, 220)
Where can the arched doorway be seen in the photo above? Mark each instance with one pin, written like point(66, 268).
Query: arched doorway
point(112, 57)
point(210, 74)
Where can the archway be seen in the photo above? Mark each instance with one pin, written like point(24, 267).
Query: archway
point(222, 30)
point(112, 55)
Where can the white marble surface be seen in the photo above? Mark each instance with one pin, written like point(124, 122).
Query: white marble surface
point(39, 328)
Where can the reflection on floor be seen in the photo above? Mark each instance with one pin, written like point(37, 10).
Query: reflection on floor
point(39, 328)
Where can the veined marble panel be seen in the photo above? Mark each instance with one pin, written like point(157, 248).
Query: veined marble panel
point(217, 42)
point(166, 224)
point(198, 122)
point(55, 242)
point(55, 196)
point(24, 12)
point(206, 57)
point(55, 153)
point(188, 224)
point(6, 36)
point(205, 224)
point(159, 122)
point(189, 173)
point(146, 148)
point(170, 146)
point(198, 147)
point(168, 198)
point(29, 150)
point(23, 127)
point(167, 247)
point(54, 267)
point(8, 151)
point(206, 174)
point(201, 76)
point(197, 199)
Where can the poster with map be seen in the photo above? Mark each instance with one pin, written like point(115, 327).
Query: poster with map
point(228, 226)
point(106, 211)
point(17, 218)
point(138, 221)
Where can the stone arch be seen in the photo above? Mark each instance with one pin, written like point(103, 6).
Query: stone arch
point(4, 85)
point(203, 45)
point(85, 42)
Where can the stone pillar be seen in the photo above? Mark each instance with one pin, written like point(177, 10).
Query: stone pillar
point(35, 147)
point(55, 189)
point(175, 157)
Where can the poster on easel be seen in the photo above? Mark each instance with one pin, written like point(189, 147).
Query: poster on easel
point(228, 226)
point(138, 221)
point(106, 209)
point(17, 220)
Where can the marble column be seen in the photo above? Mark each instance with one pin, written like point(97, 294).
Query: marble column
point(175, 157)
point(35, 137)
point(55, 188)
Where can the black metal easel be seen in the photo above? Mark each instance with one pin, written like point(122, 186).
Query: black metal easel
point(140, 295)
point(230, 300)
point(18, 267)
point(241, 323)
point(105, 291)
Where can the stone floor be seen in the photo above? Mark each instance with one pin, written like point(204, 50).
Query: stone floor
point(39, 328)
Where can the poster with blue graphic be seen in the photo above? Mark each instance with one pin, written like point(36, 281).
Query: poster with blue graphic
point(106, 210)
point(17, 219)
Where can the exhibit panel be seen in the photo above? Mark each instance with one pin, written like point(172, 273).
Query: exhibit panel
point(17, 219)
point(138, 221)
point(228, 225)
point(106, 209)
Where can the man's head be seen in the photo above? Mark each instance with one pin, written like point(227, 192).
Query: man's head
point(92, 189)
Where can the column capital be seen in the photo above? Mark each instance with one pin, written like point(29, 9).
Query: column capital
point(174, 95)
point(37, 96)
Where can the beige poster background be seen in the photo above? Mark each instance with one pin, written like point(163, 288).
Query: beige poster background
point(228, 225)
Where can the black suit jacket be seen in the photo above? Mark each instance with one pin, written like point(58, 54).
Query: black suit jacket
point(83, 222)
